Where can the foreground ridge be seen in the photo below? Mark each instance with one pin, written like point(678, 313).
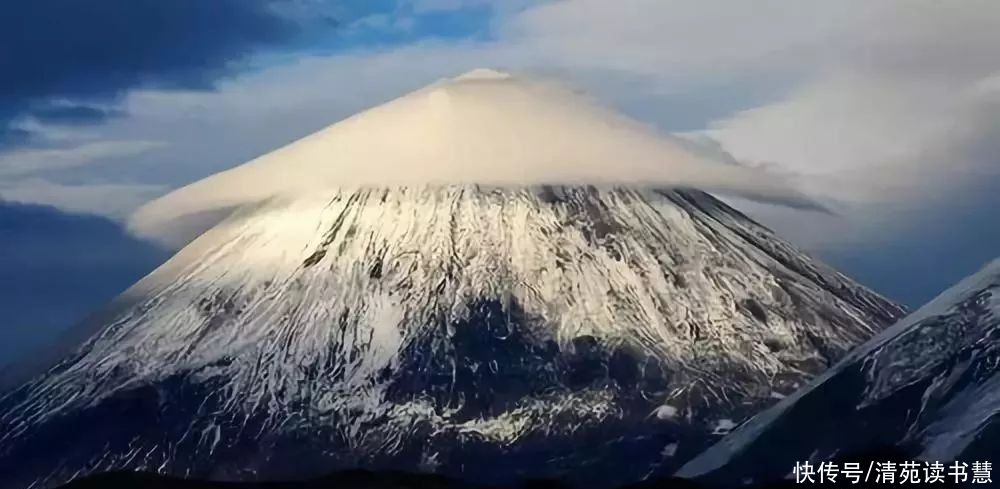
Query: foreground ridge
point(928, 387)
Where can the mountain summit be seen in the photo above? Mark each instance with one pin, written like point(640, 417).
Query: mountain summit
point(601, 333)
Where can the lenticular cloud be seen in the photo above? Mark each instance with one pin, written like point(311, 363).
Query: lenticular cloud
point(484, 127)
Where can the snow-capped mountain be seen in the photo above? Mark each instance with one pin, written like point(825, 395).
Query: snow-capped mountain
point(928, 386)
point(491, 332)
point(471, 330)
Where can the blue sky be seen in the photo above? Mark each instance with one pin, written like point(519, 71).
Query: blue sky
point(888, 112)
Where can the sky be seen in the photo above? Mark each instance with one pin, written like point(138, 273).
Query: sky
point(886, 112)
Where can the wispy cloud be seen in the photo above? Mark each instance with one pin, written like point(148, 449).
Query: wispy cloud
point(113, 200)
point(21, 162)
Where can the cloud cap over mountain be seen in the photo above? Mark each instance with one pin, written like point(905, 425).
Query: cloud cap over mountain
point(484, 127)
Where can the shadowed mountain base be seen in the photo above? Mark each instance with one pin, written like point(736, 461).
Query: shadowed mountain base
point(360, 479)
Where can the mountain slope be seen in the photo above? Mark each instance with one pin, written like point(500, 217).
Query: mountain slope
point(928, 385)
point(601, 334)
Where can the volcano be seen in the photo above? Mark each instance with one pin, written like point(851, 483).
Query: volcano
point(493, 331)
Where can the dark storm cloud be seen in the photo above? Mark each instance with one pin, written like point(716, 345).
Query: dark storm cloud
point(94, 50)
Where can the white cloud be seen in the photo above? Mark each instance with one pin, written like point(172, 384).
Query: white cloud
point(107, 199)
point(28, 161)
point(484, 127)
point(25, 175)
point(680, 40)
point(903, 120)
point(840, 129)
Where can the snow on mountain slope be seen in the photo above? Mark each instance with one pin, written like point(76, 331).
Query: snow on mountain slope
point(601, 334)
point(928, 385)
